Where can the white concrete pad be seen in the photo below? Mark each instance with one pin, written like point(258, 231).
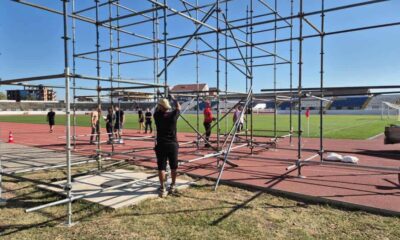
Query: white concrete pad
point(16, 157)
point(120, 197)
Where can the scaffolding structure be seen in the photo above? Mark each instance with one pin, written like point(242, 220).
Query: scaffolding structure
point(238, 41)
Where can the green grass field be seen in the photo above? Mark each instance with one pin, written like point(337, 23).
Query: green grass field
point(335, 126)
point(195, 213)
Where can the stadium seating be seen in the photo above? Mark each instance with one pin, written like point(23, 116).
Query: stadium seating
point(376, 102)
point(355, 102)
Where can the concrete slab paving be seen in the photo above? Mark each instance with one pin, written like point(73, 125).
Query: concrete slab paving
point(121, 197)
point(16, 157)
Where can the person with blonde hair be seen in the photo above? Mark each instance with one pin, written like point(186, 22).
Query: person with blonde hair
point(166, 148)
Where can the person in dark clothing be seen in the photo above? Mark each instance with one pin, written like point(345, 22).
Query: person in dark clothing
point(119, 123)
point(208, 119)
point(141, 120)
point(51, 119)
point(167, 144)
point(109, 124)
point(148, 123)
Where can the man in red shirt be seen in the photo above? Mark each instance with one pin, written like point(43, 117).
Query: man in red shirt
point(208, 119)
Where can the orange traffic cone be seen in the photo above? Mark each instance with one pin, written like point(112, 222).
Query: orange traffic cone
point(10, 138)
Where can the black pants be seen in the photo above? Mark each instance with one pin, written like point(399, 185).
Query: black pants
point(167, 152)
point(148, 126)
point(95, 133)
point(109, 129)
point(207, 127)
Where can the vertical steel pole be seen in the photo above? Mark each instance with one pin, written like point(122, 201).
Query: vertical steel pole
point(98, 68)
point(226, 65)
point(299, 90)
point(197, 81)
point(154, 50)
point(157, 33)
point(165, 49)
point(68, 186)
point(247, 63)
point(291, 75)
point(247, 48)
point(2, 200)
point(111, 73)
point(218, 71)
point(275, 37)
point(321, 114)
point(118, 65)
point(73, 79)
point(251, 76)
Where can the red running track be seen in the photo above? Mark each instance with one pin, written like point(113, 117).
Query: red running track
point(371, 190)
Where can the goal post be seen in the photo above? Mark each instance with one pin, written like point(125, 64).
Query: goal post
point(390, 111)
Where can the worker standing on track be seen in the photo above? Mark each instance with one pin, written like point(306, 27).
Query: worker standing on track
point(141, 120)
point(119, 123)
point(95, 124)
point(109, 124)
point(148, 123)
point(51, 119)
point(167, 144)
point(208, 119)
point(238, 116)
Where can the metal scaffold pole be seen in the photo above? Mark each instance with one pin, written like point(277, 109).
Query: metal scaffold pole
point(73, 78)
point(110, 136)
point(226, 68)
point(251, 78)
point(217, 50)
point(97, 131)
point(274, 64)
point(165, 33)
point(68, 186)
point(291, 75)
point(117, 134)
point(197, 81)
point(247, 63)
point(321, 108)
point(300, 91)
point(2, 199)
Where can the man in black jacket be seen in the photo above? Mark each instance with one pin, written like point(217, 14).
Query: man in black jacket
point(167, 144)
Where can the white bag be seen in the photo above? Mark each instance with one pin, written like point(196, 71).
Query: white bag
point(334, 157)
point(350, 159)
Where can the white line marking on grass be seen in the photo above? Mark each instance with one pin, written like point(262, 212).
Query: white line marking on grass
point(376, 136)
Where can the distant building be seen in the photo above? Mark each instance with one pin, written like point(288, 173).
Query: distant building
point(84, 99)
point(187, 91)
point(213, 91)
point(39, 93)
point(128, 96)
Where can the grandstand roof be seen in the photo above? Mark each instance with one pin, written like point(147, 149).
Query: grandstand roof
point(189, 87)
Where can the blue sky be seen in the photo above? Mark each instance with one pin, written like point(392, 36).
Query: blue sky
point(31, 44)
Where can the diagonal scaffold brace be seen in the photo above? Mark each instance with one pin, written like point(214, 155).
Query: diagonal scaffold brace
point(233, 132)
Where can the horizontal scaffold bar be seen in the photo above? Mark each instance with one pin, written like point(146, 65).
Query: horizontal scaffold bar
point(36, 78)
point(45, 85)
point(120, 80)
point(333, 88)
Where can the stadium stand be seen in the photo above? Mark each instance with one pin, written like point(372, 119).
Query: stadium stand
point(350, 103)
point(314, 104)
point(285, 105)
point(376, 102)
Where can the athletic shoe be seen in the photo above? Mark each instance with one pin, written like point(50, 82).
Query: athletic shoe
point(172, 189)
point(162, 192)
